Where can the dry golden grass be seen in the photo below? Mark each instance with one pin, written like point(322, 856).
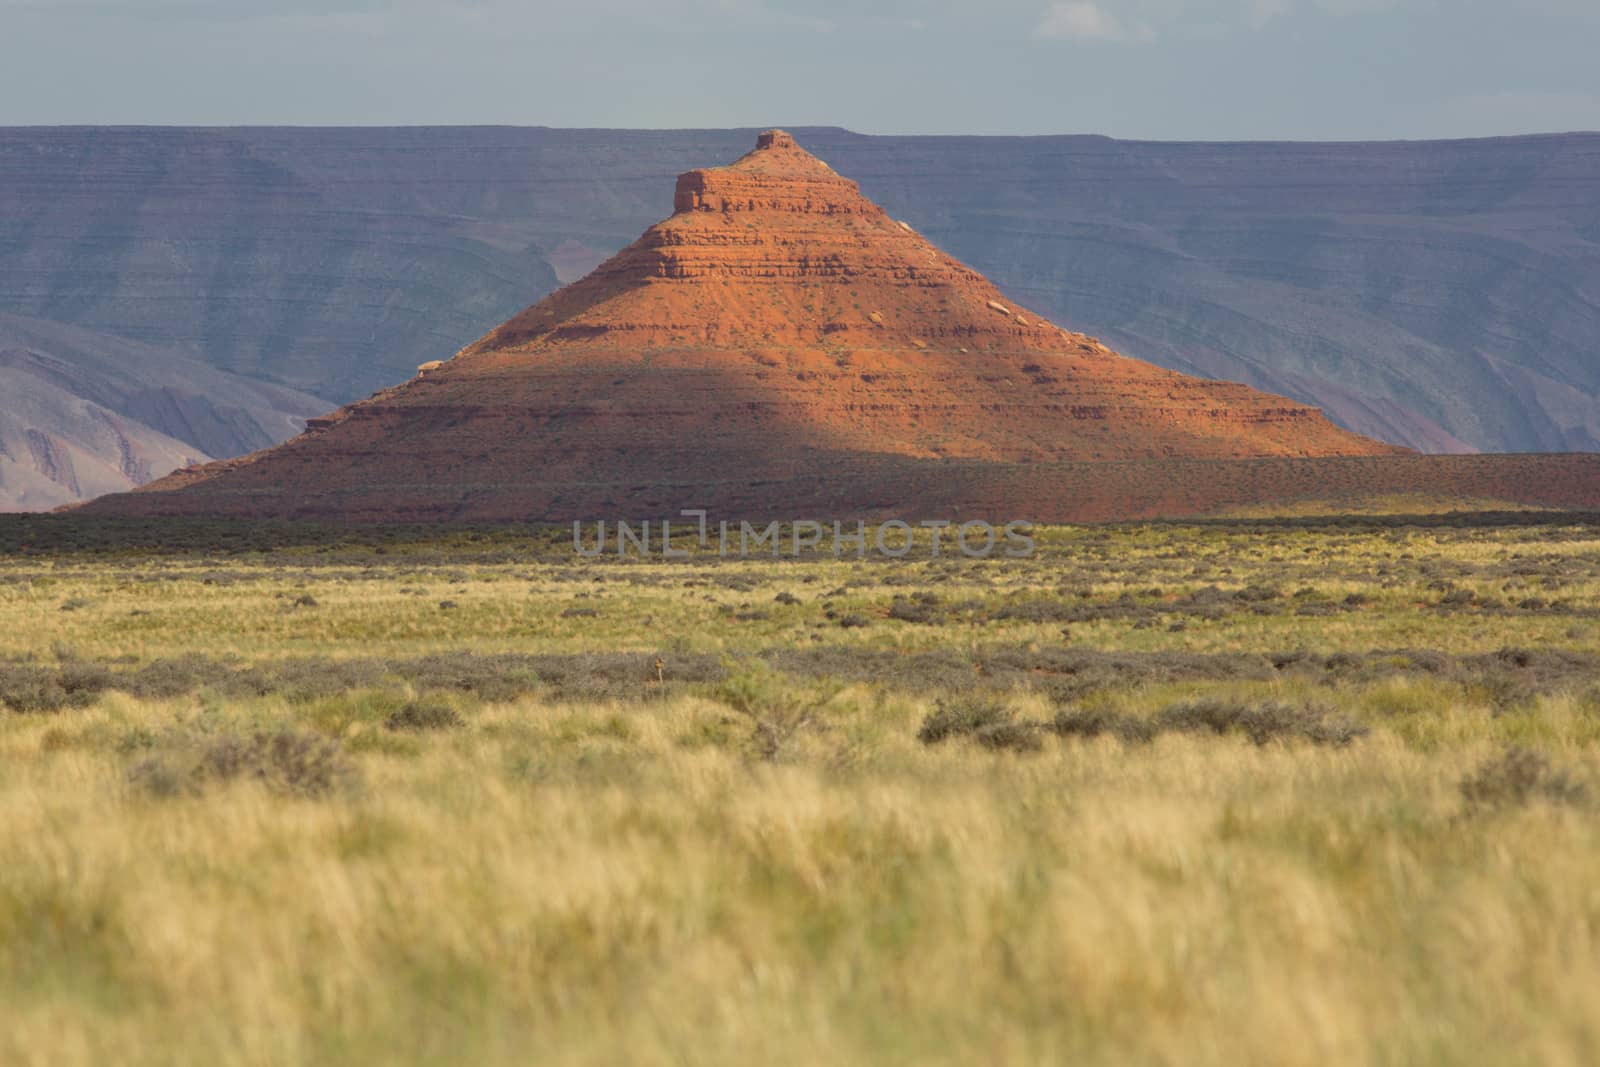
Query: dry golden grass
point(771, 867)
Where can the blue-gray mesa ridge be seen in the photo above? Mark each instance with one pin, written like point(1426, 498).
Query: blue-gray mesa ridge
point(171, 295)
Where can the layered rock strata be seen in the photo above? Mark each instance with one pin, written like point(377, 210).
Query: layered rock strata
point(777, 325)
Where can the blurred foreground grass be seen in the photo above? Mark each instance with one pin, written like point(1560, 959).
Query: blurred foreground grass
point(1162, 794)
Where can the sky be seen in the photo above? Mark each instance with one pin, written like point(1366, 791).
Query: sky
point(1148, 69)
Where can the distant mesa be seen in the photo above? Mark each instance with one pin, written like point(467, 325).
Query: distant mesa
point(84, 413)
point(780, 343)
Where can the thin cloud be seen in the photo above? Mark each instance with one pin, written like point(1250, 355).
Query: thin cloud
point(1081, 21)
point(1145, 20)
point(199, 10)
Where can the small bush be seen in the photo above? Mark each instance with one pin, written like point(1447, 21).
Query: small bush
point(777, 712)
point(496, 679)
point(167, 678)
point(424, 715)
point(1261, 723)
point(1343, 661)
point(306, 680)
point(163, 777)
point(1009, 735)
point(1037, 610)
point(922, 608)
point(962, 717)
point(28, 688)
point(31, 689)
point(84, 680)
point(286, 762)
point(1077, 723)
point(1515, 777)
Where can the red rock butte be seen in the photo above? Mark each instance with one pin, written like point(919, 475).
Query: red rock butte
point(780, 345)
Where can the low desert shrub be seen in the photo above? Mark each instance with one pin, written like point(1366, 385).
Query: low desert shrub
point(164, 679)
point(962, 717)
point(1260, 722)
point(297, 764)
point(777, 711)
point(1010, 735)
point(491, 678)
point(1516, 777)
point(1072, 722)
point(421, 715)
point(1047, 611)
point(305, 680)
point(31, 688)
point(922, 608)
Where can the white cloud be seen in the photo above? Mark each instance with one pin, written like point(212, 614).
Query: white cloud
point(1262, 11)
point(1081, 21)
point(201, 10)
point(1144, 20)
point(1358, 7)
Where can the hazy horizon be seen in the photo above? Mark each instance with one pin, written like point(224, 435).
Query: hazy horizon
point(793, 126)
point(1167, 70)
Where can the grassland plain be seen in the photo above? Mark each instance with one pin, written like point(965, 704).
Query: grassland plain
point(1312, 791)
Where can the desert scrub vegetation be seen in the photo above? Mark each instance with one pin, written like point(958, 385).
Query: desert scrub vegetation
point(1519, 776)
point(1167, 794)
point(284, 761)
